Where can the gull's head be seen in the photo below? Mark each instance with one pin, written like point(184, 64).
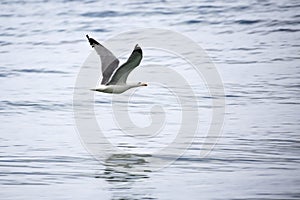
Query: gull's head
point(142, 84)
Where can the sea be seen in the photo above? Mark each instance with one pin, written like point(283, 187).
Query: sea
point(254, 47)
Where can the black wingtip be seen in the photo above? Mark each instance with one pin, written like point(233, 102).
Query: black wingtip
point(137, 48)
point(92, 41)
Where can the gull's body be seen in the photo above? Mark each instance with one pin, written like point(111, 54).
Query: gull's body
point(116, 89)
point(115, 77)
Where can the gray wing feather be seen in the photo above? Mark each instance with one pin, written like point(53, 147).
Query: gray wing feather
point(108, 62)
point(121, 74)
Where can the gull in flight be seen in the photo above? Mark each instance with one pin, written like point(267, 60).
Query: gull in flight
point(114, 77)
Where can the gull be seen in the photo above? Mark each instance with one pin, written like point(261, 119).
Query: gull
point(115, 77)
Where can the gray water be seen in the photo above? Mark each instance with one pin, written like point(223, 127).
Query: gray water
point(255, 46)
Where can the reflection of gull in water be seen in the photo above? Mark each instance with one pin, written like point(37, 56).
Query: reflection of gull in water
point(117, 166)
point(124, 173)
point(114, 77)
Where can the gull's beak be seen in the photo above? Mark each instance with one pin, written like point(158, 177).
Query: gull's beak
point(144, 84)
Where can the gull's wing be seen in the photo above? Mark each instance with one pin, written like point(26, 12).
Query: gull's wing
point(121, 74)
point(109, 62)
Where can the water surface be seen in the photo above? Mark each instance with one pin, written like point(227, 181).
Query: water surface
point(255, 47)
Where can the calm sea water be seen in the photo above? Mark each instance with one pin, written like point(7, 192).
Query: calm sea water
point(255, 45)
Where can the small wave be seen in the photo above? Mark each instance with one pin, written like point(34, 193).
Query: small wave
point(289, 103)
point(6, 15)
point(6, 74)
point(101, 30)
point(4, 43)
point(278, 23)
point(193, 21)
point(240, 8)
point(109, 13)
point(41, 105)
point(240, 62)
point(39, 71)
point(44, 43)
point(233, 96)
point(247, 22)
point(245, 49)
point(209, 7)
point(285, 30)
point(290, 6)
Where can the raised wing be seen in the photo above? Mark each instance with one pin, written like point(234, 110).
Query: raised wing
point(109, 62)
point(120, 76)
